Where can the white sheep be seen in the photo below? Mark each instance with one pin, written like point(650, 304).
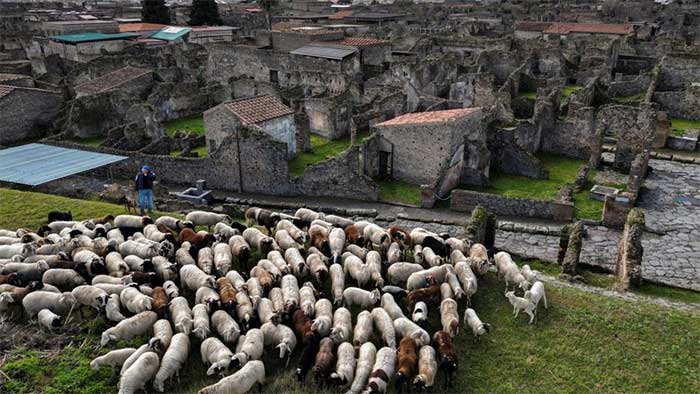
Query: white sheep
point(64, 278)
point(111, 280)
point(208, 297)
point(357, 269)
point(181, 315)
point(224, 325)
point(296, 261)
point(270, 267)
point(162, 335)
point(59, 303)
point(173, 360)
point(363, 328)
point(467, 279)
point(337, 283)
point(130, 328)
point(172, 223)
point(521, 304)
point(266, 311)
point(183, 255)
point(131, 221)
point(453, 281)
point(91, 296)
point(457, 244)
point(19, 249)
point(143, 370)
point(528, 273)
point(446, 291)
point(419, 280)
point(290, 291)
point(479, 259)
point(136, 263)
point(203, 218)
point(357, 250)
point(48, 319)
point(171, 289)
point(191, 277)
point(345, 365)
point(317, 267)
point(336, 238)
point(395, 253)
point(134, 301)
point(142, 250)
point(323, 322)
point(508, 270)
point(286, 241)
point(244, 309)
point(376, 235)
point(478, 327)
point(307, 299)
point(200, 317)
point(295, 232)
point(252, 348)
point(240, 382)
point(362, 298)
point(365, 362)
point(205, 260)
point(405, 327)
point(216, 355)
point(391, 307)
point(385, 325)
point(114, 359)
point(536, 293)
point(279, 262)
point(280, 337)
point(164, 268)
point(382, 371)
point(449, 317)
point(374, 263)
point(427, 368)
point(432, 259)
point(223, 258)
point(342, 326)
point(113, 309)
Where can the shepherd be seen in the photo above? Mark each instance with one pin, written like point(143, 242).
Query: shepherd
point(144, 185)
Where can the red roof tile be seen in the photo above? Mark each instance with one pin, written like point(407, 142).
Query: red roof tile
point(5, 90)
point(111, 80)
point(532, 25)
point(132, 27)
point(340, 15)
point(361, 41)
point(594, 28)
point(429, 117)
point(11, 77)
point(258, 109)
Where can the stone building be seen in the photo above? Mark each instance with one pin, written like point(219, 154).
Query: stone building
point(207, 34)
point(268, 113)
point(26, 112)
point(419, 147)
point(373, 52)
point(330, 116)
point(145, 30)
point(566, 30)
point(132, 80)
point(58, 28)
point(87, 46)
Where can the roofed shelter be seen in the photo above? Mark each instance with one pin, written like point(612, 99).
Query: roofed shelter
point(84, 47)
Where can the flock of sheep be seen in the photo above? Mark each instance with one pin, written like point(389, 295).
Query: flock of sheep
point(166, 280)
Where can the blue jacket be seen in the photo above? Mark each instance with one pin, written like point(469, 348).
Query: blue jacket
point(145, 181)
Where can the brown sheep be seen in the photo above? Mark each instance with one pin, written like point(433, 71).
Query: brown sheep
point(10, 279)
point(446, 355)
point(160, 301)
point(308, 356)
point(302, 326)
point(267, 281)
point(227, 295)
point(103, 220)
point(320, 241)
point(18, 293)
point(430, 295)
point(407, 362)
point(325, 361)
point(353, 235)
point(197, 240)
point(400, 235)
point(141, 278)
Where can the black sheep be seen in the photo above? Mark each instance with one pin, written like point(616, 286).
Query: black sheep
point(58, 216)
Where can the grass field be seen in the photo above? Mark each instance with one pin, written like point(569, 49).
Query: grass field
point(396, 191)
point(94, 141)
point(629, 99)
point(193, 124)
point(680, 126)
point(321, 149)
point(526, 94)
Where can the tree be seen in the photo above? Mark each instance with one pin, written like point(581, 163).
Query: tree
point(268, 5)
point(155, 11)
point(204, 13)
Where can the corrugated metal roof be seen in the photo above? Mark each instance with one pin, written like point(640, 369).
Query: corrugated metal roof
point(34, 164)
point(89, 37)
point(171, 33)
point(327, 51)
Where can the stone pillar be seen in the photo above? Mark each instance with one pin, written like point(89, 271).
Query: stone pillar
point(303, 133)
point(581, 178)
point(569, 265)
point(628, 271)
point(563, 242)
point(490, 234)
point(476, 229)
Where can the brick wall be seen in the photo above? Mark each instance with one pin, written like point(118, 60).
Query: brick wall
point(466, 201)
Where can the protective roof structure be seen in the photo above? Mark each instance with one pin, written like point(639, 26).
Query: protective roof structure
point(35, 164)
point(258, 109)
point(325, 51)
point(91, 37)
point(171, 33)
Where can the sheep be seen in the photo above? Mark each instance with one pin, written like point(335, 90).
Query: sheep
point(21, 249)
point(295, 232)
point(223, 258)
point(277, 300)
point(478, 327)
point(115, 235)
point(432, 259)
point(363, 328)
point(205, 260)
point(158, 233)
point(317, 267)
point(528, 273)
point(510, 271)
point(111, 289)
point(162, 335)
point(144, 369)
point(453, 281)
point(395, 291)
point(227, 294)
point(111, 280)
point(336, 239)
point(385, 325)
point(447, 356)
point(181, 315)
point(430, 295)
point(523, 304)
point(91, 296)
point(479, 259)
point(225, 326)
point(216, 355)
point(449, 317)
point(132, 221)
point(281, 337)
point(113, 309)
point(391, 307)
point(427, 368)
point(270, 267)
point(418, 280)
point(259, 241)
point(142, 250)
point(302, 326)
point(375, 235)
point(285, 241)
point(200, 322)
point(171, 289)
point(365, 362)
point(240, 382)
point(296, 261)
point(405, 327)
point(130, 328)
point(467, 278)
point(323, 322)
point(62, 278)
point(357, 269)
point(279, 262)
point(244, 309)
point(382, 371)
point(26, 270)
point(446, 291)
point(318, 236)
point(457, 244)
point(399, 235)
point(337, 283)
point(345, 365)
point(57, 226)
point(11, 279)
point(406, 363)
point(239, 284)
point(420, 314)
point(363, 298)
point(418, 254)
point(535, 294)
point(207, 296)
point(48, 319)
point(136, 263)
point(307, 299)
point(240, 250)
point(398, 273)
point(290, 292)
point(262, 217)
point(224, 232)
point(324, 362)
point(134, 301)
point(17, 294)
point(159, 301)
point(395, 253)
point(252, 348)
point(191, 277)
point(114, 359)
point(173, 360)
point(374, 263)
point(357, 251)
point(198, 240)
point(342, 326)
point(203, 218)
point(59, 303)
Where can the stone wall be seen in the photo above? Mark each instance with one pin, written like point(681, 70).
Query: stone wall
point(287, 41)
point(623, 86)
point(466, 201)
point(27, 113)
point(678, 71)
point(684, 104)
point(571, 137)
point(329, 116)
point(283, 130)
point(509, 158)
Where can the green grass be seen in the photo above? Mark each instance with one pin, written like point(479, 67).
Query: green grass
point(680, 126)
point(526, 94)
point(397, 191)
point(193, 124)
point(569, 90)
point(200, 150)
point(629, 99)
point(321, 149)
point(93, 141)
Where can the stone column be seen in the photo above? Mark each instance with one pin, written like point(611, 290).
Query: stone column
point(630, 251)
point(490, 234)
point(563, 242)
point(569, 265)
point(476, 229)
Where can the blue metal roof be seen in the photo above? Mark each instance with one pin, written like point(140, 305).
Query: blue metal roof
point(90, 37)
point(171, 33)
point(34, 164)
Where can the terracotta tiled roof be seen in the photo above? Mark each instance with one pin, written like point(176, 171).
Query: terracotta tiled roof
point(429, 117)
point(5, 90)
point(595, 28)
point(340, 15)
point(131, 27)
point(111, 80)
point(258, 109)
point(11, 77)
point(361, 41)
point(532, 25)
